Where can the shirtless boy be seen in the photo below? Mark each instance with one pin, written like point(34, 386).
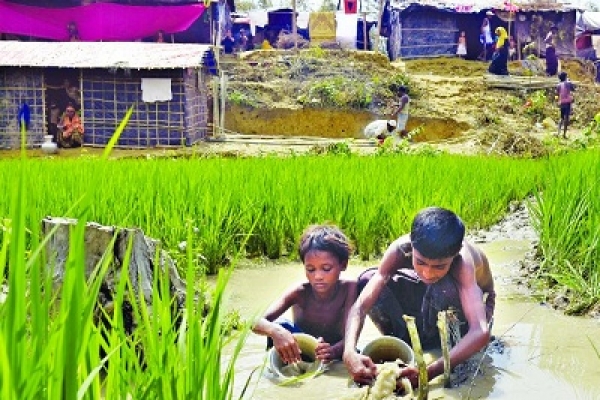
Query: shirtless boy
point(429, 270)
point(320, 306)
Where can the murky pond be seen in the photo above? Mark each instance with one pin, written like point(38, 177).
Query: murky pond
point(545, 355)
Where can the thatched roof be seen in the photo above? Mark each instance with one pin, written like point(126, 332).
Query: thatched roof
point(131, 55)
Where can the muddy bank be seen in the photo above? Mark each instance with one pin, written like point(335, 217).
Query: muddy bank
point(335, 95)
point(318, 122)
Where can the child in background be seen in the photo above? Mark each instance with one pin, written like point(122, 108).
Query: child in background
point(461, 49)
point(512, 49)
point(400, 113)
point(565, 100)
point(320, 305)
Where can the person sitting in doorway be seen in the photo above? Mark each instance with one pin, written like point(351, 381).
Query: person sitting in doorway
point(66, 94)
point(228, 42)
point(53, 121)
point(70, 129)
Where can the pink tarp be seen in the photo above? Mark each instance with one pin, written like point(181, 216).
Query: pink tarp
point(97, 21)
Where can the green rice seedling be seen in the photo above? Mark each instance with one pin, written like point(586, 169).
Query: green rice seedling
point(372, 196)
point(50, 342)
point(566, 217)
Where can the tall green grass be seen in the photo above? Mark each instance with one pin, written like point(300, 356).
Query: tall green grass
point(566, 215)
point(372, 198)
point(56, 344)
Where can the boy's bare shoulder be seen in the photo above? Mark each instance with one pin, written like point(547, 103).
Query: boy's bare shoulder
point(348, 283)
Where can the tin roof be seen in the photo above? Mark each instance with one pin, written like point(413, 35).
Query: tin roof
point(132, 55)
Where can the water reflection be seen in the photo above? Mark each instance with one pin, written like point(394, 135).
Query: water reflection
point(546, 354)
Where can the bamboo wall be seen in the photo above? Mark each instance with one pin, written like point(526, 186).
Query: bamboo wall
point(18, 87)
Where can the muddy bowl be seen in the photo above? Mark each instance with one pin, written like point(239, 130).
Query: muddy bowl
point(389, 348)
point(309, 363)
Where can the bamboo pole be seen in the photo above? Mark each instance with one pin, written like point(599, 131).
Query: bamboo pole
point(294, 25)
point(379, 17)
point(423, 390)
point(442, 324)
point(223, 98)
point(365, 38)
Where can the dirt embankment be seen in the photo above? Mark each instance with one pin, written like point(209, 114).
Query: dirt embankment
point(335, 94)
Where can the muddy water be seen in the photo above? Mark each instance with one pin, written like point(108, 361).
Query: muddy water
point(544, 354)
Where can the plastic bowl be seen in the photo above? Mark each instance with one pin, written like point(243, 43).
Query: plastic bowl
point(308, 346)
point(389, 348)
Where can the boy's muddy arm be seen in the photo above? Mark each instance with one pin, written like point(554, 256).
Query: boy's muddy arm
point(361, 368)
point(283, 340)
point(327, 352)
point(478, 334)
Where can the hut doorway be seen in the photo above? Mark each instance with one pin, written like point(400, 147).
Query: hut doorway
point(62, 90)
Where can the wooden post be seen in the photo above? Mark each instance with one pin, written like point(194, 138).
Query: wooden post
point(218, 115)
point(216, 112)
point(223, 97)
point(294, 25)
point(379, 17)
point(365, 38)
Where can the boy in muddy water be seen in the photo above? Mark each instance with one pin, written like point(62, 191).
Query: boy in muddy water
point(426, 271)
point(319, 306)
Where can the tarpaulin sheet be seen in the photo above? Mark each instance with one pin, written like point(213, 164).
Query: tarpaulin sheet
point(97, 21)
point(587, 21)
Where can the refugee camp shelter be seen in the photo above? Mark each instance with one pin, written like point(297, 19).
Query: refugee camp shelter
point(587, 35)
point(165, 83)
point(420, 30)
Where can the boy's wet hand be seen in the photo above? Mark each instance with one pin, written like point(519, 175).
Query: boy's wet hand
point(412, 374)
point(361, 368)
point(324, 351)
point(287, 347)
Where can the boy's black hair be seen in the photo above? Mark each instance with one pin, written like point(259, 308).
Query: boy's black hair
point(437, 233)
point(327, 238)
point(402, 89)
point(562, 76)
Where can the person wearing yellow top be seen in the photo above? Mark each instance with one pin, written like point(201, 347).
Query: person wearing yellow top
point(266, 45)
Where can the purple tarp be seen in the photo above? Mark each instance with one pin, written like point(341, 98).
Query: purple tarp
point(97, 21)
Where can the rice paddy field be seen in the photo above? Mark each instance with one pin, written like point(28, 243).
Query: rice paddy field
point(50, 346)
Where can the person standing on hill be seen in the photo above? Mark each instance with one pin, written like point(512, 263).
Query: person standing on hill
point(461, 49)
point(551, 57)
point(565, 100)
point(486, 37)
point(499, 64)
point(401, 112)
